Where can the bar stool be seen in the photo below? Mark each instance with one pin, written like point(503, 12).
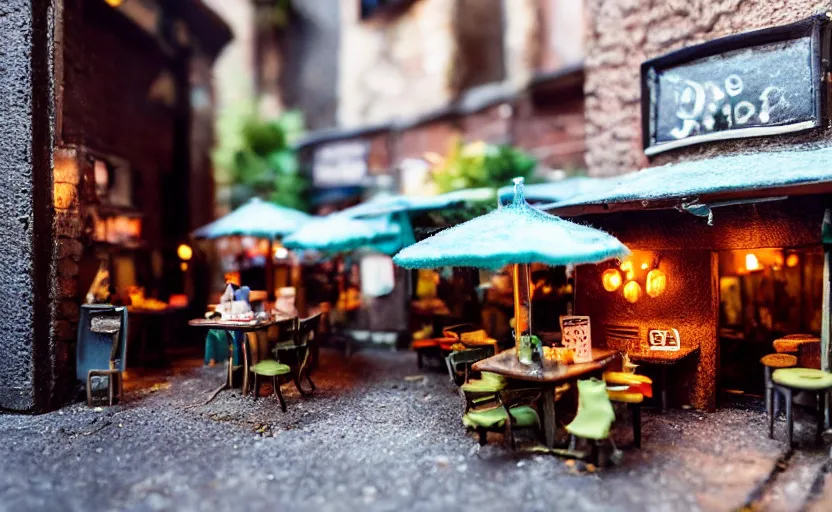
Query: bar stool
point(787, 380)
point(773, 362)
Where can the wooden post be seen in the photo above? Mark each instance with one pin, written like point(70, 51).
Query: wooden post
point(522, 303)
point(826, 305)
point(270, 272)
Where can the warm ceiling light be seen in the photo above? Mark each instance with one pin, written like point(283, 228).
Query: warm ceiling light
point(632, 292)
point(114, 3)
point(644, 266)
point(281, 253)
point(792, 260)
point(751, 262)
point(611, 279)
point(184, 252)
point(656, 283)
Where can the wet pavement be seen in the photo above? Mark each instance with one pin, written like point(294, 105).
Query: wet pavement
point(378, 435)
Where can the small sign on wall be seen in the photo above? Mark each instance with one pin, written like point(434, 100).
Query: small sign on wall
point(664, 340)
point(577, 335)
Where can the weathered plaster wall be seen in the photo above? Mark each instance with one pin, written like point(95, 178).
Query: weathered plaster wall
point(26, 248)
point(624, 33)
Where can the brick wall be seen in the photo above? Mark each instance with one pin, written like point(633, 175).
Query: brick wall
point(110, 66)
point(624, 33)
point(554, 132)
point(433, 136)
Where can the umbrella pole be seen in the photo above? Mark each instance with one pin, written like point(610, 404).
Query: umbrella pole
point(270, 272)
point(522, 305)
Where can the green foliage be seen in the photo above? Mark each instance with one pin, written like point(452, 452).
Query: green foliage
point(263, 162)
point(478, 164)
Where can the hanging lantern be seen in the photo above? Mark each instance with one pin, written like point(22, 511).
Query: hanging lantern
point(751, 262)
point(632, 292)
point(656, 283)
point(627, 267)
point(792, 260)
point(611, 279)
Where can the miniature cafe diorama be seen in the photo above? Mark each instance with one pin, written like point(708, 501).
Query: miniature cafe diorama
point(708, 275)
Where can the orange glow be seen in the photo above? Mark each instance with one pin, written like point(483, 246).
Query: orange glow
point(114, 3)
point(184, 252)
point(792, 260)
point(183, 266)
point(751, 262)
point(632, 292)
point(627, 267)
point(656, 283)
point(644, 266)
point(611, 279)
point(233, 278)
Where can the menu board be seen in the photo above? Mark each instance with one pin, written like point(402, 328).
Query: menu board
point(577, 335)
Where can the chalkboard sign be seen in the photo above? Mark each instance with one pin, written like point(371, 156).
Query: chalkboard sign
point(759, 83)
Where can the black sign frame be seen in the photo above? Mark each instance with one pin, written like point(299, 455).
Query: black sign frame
point(816, 28)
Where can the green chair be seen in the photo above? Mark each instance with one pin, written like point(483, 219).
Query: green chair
point(459, 363)
point(595, 414)
point(273, 368)
point(296, 351)
point(785, 382)
point(504, 411)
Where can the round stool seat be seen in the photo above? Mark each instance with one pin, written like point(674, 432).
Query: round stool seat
point(802, 378)
point(779, 360)
point(792, 342)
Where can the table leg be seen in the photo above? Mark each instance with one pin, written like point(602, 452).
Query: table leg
point(229, 337)
point(244, 345)
point(549, 425)
point(664, 387)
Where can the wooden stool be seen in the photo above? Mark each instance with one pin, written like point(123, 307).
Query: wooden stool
point(787, 380)
point(773, 362)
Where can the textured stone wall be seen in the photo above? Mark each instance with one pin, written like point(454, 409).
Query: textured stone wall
point(26, 248)
point(395, 68)
point(624, 33)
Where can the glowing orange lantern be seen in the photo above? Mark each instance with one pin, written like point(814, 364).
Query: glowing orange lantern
point(611, 279)
point(792, 260)
point(656, 283)
point(632, 292)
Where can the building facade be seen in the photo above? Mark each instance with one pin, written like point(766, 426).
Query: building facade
point(723, 215)
point(119, 96)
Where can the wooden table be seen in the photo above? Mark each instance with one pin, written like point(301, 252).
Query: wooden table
point(228, 327)
point(548, 376)
point(662, 358)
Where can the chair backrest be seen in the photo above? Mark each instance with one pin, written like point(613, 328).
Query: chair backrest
point(466, 357)
point(95, 350)
point(308, 329)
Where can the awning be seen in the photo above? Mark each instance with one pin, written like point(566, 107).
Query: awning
point(690, 184)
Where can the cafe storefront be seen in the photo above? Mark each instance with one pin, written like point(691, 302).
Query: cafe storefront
point(728, 250)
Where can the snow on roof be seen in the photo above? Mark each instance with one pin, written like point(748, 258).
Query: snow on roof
point(734, 173)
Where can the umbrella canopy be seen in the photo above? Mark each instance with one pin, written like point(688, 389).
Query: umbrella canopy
point(513, 234)
point(395, 203)
point(256, 218)
point(560, 190)
point(340, 232)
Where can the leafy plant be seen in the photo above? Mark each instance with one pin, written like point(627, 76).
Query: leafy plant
point(262, 162)
point(478, 164)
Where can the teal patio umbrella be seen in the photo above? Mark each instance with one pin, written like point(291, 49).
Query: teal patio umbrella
point(256, 218)
point(259, 219)
point(515, 234)
point(340, 232)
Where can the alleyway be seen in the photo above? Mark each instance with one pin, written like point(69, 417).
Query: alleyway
point(373, 438)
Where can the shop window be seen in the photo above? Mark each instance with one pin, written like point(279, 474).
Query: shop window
point(764, 294)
